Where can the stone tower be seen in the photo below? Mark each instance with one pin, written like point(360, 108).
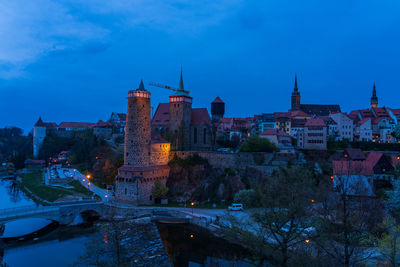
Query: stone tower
point(137, 128)
point(374, 98)
point(295, 103)
point(145, 155)
point(180, 112)
point(39, 133)
point(217, 109)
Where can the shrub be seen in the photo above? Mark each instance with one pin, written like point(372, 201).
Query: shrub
point(247, 197)
point(258, 144)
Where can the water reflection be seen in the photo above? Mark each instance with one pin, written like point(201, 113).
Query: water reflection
point(12, 196)
point(188, 245)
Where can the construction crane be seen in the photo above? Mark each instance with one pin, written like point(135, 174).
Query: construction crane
point(168, 87)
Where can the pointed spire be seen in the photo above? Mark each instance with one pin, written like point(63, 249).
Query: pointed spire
point(295, 82)
point(374, 90)
point(181, 87)
point(141, 86)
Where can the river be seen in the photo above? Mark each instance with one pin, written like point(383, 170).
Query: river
point(186, 245)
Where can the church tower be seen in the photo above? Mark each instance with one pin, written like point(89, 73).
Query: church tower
point(180, 117)
point(295, 103)
point(374, 98)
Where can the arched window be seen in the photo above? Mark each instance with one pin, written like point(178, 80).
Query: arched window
point(205, 136)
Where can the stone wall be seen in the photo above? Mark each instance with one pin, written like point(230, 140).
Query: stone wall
point(227, 160)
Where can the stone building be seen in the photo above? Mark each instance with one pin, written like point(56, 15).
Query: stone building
point(313, 136)
point(188, 128)
point(145, 153)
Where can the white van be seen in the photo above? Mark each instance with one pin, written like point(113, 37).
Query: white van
point(235, 207)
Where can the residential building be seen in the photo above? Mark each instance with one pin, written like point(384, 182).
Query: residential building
point(313, 136)
point(345, 126)
point(277, 137)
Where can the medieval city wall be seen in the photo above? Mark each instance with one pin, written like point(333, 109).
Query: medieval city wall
point(227, 160)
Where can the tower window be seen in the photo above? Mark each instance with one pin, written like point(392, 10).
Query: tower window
point(126, 191)
point(195, 135)
point(205, 136)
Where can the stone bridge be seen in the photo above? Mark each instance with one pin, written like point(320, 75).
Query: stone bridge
point(68, 212)
point(64, 213)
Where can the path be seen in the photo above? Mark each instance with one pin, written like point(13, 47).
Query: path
point(104, 194)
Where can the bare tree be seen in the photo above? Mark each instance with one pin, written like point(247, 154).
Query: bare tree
point(279, 228)
point(347, 215)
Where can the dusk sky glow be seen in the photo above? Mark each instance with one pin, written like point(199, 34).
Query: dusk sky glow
point(74, 60)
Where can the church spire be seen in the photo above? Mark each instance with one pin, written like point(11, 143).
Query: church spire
point(374, 98)
point(295, 100)
point(181, 87)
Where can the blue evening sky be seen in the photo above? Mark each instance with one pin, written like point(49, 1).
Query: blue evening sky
point(75, 60)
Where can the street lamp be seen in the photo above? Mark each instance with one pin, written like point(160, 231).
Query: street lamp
point(192, 204)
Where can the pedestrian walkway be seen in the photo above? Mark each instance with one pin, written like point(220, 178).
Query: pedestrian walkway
point(104, 194)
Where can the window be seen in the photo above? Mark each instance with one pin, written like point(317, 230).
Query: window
point(205, 136)
point(195, 135)
point(126, 191)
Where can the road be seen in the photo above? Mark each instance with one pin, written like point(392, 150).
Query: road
point(102, 193)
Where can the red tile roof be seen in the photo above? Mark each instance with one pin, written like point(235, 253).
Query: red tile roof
point(395, 112)
point(279, 115)
point(373, 158)
point(75, 124)
point(156, 138)
point(355, 154)
point(40, 123)
point(364, 121)
point(161, 116)
point(276, 132)
point(315, 122)
point(217, 100)
point(349, 167)
point(299, 113)
point(380, 112)
point(102, 124)
point(200, 116)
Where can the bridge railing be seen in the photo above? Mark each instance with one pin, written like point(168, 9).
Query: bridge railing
point(25, 210)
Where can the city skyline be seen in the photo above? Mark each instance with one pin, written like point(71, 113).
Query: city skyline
point(80, 68)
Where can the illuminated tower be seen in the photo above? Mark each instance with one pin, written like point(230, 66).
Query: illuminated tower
point(295, 96)
point(145, 155)
point(374, 98)
point(137, 128)
point(180, 112)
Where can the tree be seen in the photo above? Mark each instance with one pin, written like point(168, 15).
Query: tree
point(393, 202)
point(389, 243)
point(278, 229)
point(258, 144)
point(247, 197)
point(346, 216)
point(159, 190)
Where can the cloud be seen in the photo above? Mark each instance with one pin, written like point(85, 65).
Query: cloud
point(30, 29)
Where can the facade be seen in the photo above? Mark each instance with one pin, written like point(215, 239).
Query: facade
point(188, 128)
point(283, 121)
point(363, 130)
point(118, 120)
point(145, 154)
point(345, 126)
point(314, 135)
point(277, 137)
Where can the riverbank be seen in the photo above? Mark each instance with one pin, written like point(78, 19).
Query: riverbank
point(33, 185)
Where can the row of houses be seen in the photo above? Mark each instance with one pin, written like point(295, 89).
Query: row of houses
point(359, 174)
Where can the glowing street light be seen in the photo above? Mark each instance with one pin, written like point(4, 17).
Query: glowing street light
point(307, 241)
point(88, 176)
point(192, 204)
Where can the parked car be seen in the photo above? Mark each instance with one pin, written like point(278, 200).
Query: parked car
point(235, 207)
